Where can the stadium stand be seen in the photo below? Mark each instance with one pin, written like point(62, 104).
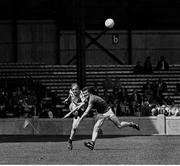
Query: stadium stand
point(57, 78)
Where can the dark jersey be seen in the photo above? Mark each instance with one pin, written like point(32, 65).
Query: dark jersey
point(98, 103)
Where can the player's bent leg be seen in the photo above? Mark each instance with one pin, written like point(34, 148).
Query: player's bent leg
point(73, 132)
point(120, 125)
point(96, 128)
point(117, 123)
point(95, 118)
point(70, 144)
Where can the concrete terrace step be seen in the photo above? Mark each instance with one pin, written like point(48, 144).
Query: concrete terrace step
point(93, 75)
point(42, 64)
point(91, 83)
point(58, 78)
point(101, 80)
point(60, 69)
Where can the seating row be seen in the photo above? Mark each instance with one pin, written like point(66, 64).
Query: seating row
point(57, 78)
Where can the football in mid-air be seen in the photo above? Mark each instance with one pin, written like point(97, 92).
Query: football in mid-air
point(109, 23)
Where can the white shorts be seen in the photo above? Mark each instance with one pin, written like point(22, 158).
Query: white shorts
point(102, 117)
point(106, 115)
point(74, 124)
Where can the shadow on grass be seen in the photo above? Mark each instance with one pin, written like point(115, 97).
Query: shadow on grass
point(49, 138)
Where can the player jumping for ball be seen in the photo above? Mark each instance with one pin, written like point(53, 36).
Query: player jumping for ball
point(76, 100)
point(104, 112)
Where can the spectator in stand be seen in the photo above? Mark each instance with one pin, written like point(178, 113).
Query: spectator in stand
point(3, 104)
point(169, 101)
point(148, 93)
point(24, 91)
point(94, 89)
point(13, 102)
point(46, 108)
point(124, 109)
point(57, 105)
point(135, 101)
point(18, 92)
point(40, 91)
point(118, 100)
point(124, 102)
point(8, 108)
point(160, 99)
point(161, 86)
point(145, 107)
point(117, 83)
point(148, 66)
point(28, 105)
point(106, 96)
point(154, 88)
point(162, 64)
point(123, 95)
point(16, 102)
point(32, 102)
point(146, 85)
point(114, 100)
point(107, 83)
point(177, 89)
point(115, 96)
point(138, 69)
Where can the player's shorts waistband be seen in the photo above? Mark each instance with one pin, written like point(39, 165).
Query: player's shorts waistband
point(108, 108)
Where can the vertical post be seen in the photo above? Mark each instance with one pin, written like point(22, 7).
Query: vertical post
point(57, 14)
point(129, 46)
point(80, 40)
point(14, 31)
point(161, 124)
point(57, 44)
point(129, 32)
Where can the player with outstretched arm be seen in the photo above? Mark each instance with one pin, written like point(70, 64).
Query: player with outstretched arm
point(104, 112)
point(77, 102)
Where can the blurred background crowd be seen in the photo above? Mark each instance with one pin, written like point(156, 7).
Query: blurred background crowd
point(28, 101)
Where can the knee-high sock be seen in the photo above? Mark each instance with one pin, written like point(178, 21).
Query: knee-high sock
point(125, 124)
point(73, 131)
point(95, 134)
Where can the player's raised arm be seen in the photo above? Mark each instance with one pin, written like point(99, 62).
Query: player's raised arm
point(87, 98)
point(86, 112)
point(68, 99)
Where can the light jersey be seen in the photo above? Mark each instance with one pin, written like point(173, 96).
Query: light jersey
point(77, 99)
point(98, 103)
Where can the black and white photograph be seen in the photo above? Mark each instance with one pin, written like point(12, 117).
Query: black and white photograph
point(89, 82)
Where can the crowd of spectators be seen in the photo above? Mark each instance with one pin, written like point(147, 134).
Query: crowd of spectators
point(162, 65)
point(24, 102)
point(18, 103)
point(28, 101)
point(138, 103)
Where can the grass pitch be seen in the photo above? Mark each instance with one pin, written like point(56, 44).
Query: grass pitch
point(108, 150)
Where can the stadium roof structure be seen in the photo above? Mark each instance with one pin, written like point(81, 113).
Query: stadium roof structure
point(139, 14)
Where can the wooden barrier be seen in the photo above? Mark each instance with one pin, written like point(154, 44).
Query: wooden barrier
point(159, 125)
point(149, 126)
point(172, 125)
